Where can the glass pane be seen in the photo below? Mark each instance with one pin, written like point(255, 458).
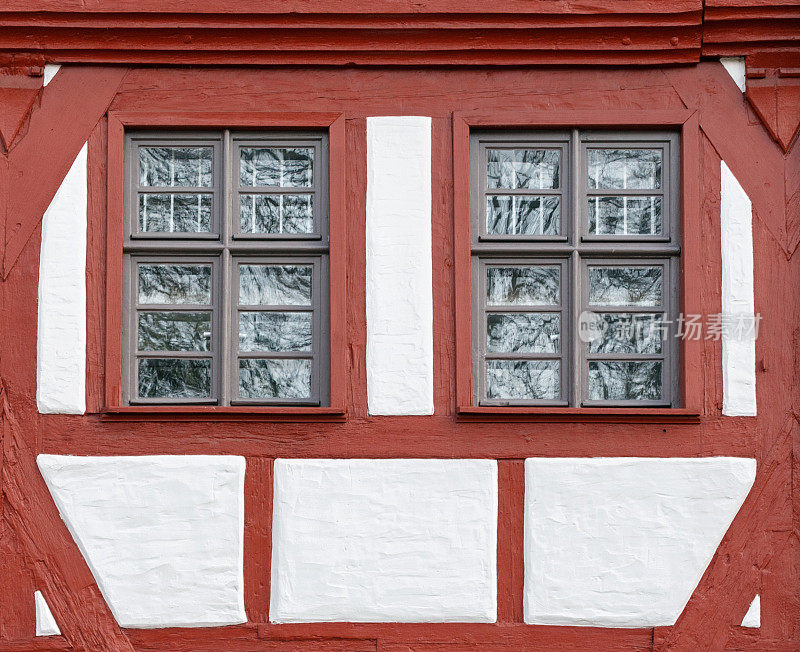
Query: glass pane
point(523, 215)
point(628, 333)
point(625, 215)
point(175, 166)
point(618, 169)
point(530, 285)
point(175, 284)
point(275, 331)
point(625, 286)
point(274, 285)
point(284, 167)
point(532, 332)
point(625, 381)
point(174, 378)
point(175, 213)
point(174, 331)
point(276, 213)
point(270, 379)
point(523, 168)
point(522, 379)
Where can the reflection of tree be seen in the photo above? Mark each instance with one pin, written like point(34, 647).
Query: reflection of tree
point(617, 381)
point(625, 285)
point(175, 284)
point(174, 378)
point(533, 285)
point(524, 333)
point(289, 379)
point(522, 379)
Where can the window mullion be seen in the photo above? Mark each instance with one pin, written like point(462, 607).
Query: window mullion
point(224, 311)
point(575, 188)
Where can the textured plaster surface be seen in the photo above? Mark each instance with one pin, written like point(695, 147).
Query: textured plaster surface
point(61, 343)
point(738, 348)
point(162, 534)
point(50, 70)
point(753, 616)
point(622, 542)
point(736, 69)
point(45, 623)
point(398, 282)
point(384, 540)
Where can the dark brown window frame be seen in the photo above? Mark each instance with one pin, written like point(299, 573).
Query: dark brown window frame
point(226, 248)
point(572, 247)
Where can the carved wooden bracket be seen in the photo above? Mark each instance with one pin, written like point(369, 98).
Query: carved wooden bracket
point(19, 88)
point(773, 89)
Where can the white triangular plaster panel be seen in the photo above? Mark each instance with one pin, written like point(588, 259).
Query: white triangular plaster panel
point(736, 69)
point(623, 542)
point(162, 534)
point(753, 616)
point(50, 70)
point(45, 623)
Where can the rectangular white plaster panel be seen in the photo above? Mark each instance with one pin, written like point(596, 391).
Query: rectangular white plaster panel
point(61, 341)
point(753, 616)
point(738, 345)
point(162, 534)
point(623, 542)
point(398, 540)
point(45, 623)
point(736, 69)
point(399, 277)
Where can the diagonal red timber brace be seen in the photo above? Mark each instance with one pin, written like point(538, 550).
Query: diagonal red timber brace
point(760, 531)
point(60, 570)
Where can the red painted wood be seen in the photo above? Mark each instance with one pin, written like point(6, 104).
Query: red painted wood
point(83, 94)
point(701, 98)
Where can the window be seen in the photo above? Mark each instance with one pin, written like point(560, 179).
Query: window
point(226, 265)
point(575, 268)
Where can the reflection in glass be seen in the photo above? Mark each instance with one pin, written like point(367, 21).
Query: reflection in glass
point(275, 331)
point(173, 213)
point(530, 285)
point(621, 169)
point(625, 286)
point(523, 168)
point(629, 333)
point(625, 381)
point(174, 378)
point(276, 213)
point(170, 167)
point(532, 332)
point(174, 284)
point(274, 379)
point(522, 379)
point(174, 331)
point(274, 285)
point(523, 215)
point(625, 215)
point(282, 167)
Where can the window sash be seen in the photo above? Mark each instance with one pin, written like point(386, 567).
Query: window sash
point(575, 249)
point(224, 248)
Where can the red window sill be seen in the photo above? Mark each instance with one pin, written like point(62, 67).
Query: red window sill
point(219, 413)
point(579, 415)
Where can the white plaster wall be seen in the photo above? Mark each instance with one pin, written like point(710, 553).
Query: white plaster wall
point(753, 616)
point(738, 350)
point(50, 71)
point(45, 623)
point(623, 542)
point(736, 69)
point(384, 540)
point(61, 342)
point(162, 534)
point(398, 283)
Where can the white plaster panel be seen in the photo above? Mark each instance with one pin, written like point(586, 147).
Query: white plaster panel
point(623, 542)
point(738, 348)
point(753, 616)
point(50, 70)
point(61, 342)
point(45, 623)
point(736, 69)
point(162, 534)
point(384, 540)
point(398, 283)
